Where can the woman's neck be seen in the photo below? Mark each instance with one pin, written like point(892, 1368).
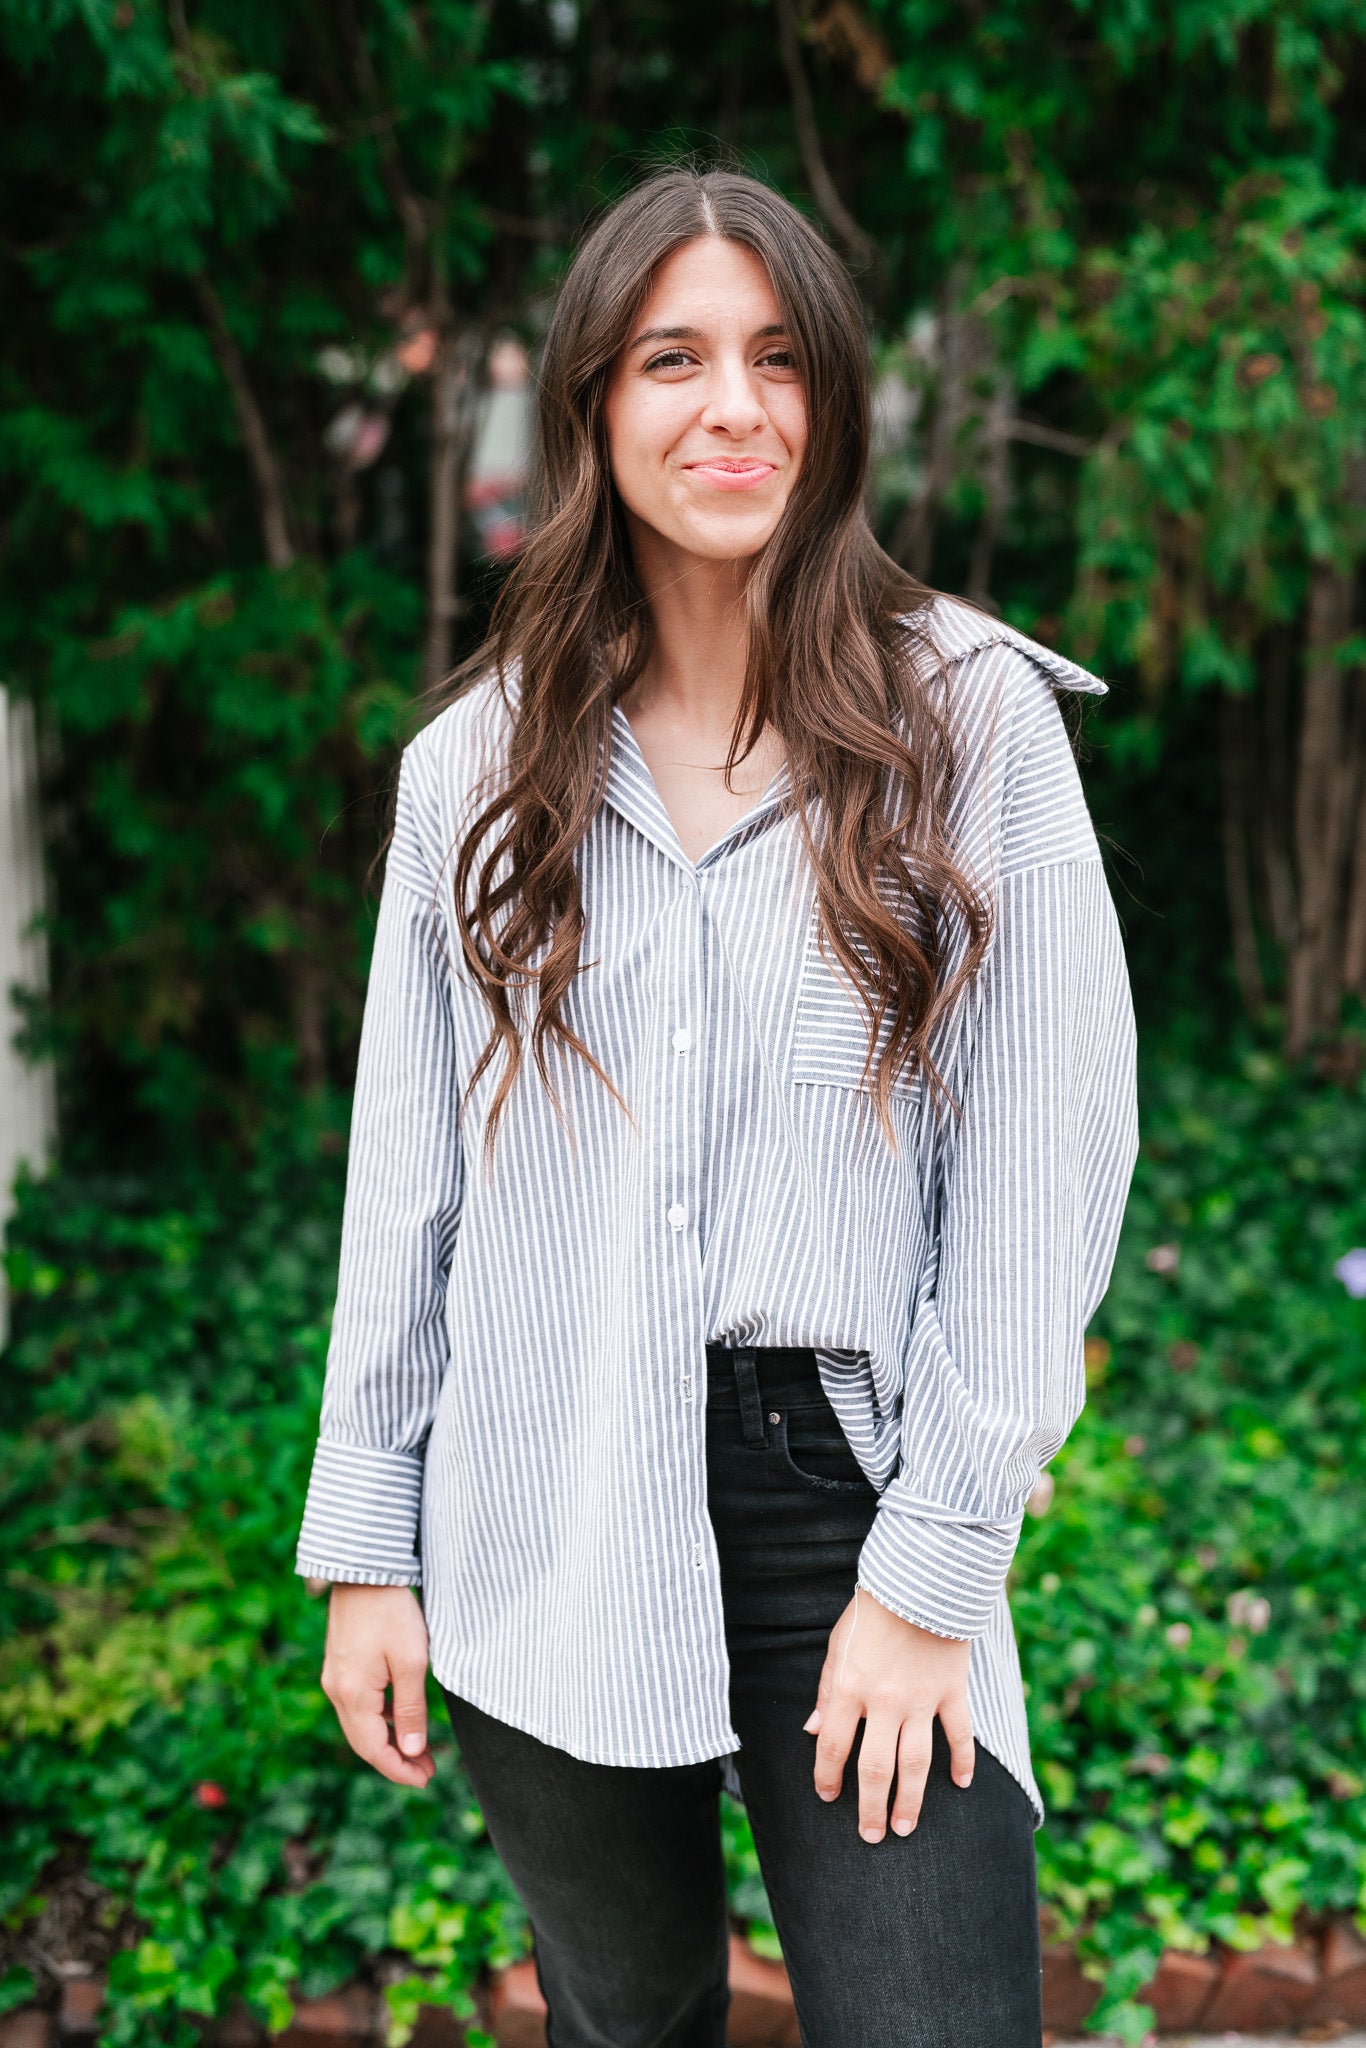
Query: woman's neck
point(696, 671)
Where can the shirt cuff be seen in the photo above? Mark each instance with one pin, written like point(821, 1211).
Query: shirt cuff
point(361, 1516)
point(944, 1576)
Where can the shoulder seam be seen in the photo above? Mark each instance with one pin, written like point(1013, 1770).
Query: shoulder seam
point(1059, 860)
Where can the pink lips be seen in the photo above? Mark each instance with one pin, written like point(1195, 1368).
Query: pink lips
point(725, 475)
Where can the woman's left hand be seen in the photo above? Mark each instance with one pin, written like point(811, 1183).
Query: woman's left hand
point(896, 1677)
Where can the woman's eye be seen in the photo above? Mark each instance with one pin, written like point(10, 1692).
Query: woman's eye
point(779, 359)
point(671, 359)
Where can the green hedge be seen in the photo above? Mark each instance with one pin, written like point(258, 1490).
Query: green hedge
point(176, 1788)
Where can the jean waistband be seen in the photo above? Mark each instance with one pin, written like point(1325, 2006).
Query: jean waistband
point(784, 1372)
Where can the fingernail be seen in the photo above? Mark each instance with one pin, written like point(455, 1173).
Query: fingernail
point(829, 1795)
point(411, 1744)
point(871, 1834)
point(902, 1827)
point(812, 1721)
point(965, 1781)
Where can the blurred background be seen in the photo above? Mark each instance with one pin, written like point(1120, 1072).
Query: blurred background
point(274, 282)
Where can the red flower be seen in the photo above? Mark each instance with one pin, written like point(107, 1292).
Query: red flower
point(208, 1794)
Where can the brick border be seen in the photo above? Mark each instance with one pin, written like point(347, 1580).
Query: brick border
point(1316, 1981)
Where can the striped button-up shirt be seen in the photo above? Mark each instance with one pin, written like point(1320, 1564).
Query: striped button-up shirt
point(513, 1412)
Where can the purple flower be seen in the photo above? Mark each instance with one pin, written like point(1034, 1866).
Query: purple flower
point(1351, 1271)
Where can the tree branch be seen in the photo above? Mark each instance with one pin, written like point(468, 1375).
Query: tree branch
point(1040, 436)
point(270, 488)
point(860, 245)
point(416, 215)
point(454, 397)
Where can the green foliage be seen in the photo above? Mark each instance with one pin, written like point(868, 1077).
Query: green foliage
point(1150, 222)
point(1147, 219)
point(1144, 223)
point(160, 1712)
point(220, 671)
point(1189, 1605)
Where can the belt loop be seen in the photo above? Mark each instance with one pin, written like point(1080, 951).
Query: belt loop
point(751, 1407)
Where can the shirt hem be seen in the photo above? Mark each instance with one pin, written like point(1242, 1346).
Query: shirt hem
point(486, 1705)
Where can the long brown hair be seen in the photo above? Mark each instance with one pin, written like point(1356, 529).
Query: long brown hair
point(830, 662)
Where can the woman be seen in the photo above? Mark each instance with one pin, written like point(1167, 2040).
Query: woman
point(744, 1119)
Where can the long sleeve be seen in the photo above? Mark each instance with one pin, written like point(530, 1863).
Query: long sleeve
point(404, 1192)
point(1033, 1190)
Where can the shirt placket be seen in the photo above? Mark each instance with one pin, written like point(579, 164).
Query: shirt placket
point(677, 1194)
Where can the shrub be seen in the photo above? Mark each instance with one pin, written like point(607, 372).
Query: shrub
point(179, 1796)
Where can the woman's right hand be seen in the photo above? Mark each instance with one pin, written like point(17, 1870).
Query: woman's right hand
point(377, 1636)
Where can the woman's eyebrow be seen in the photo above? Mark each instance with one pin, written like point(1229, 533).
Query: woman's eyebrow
point(692, 334)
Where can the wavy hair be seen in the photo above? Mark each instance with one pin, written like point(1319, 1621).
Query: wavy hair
point(833, 662)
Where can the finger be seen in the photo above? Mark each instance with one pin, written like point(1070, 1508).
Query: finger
point(399, 1770)
point(365, 1728)
point(838, 1729)
point(912, 1769)
point(876, 1763)
point(957, 1725)
point(410, 1704)
point(814, 1718)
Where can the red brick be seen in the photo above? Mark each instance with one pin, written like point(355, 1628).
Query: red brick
point(1068, 1996)
point(1267, 1988)
point(346, 2015)
point(517, 2008)
point(761, 2010)
point(82, 1999)
point(1342, 1987)
point(1181, 1990)
point(26, 2028)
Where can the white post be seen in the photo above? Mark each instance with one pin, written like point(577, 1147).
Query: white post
point(28, 1096)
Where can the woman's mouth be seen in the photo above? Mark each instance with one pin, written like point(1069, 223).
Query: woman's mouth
point(740, 473)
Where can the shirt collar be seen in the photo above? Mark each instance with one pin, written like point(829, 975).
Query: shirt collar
point(631, 792)
point(954, 629)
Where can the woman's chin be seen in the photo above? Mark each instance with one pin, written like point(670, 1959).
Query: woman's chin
point(727, 540)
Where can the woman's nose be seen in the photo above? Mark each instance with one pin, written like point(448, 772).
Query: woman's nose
point(734, 401)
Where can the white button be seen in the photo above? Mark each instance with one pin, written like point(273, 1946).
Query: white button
point(682, 1039)
point(686, 1384)
point(678, 1215)
point(697, 1555)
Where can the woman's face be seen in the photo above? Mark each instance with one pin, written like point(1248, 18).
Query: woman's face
point(706, 418)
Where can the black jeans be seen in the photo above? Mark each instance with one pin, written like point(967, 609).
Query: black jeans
point(928, 1940)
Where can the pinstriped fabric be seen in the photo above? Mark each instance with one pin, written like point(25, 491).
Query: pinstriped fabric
point(513, 1414)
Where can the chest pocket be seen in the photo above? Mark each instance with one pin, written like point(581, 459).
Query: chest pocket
point(830, 1029)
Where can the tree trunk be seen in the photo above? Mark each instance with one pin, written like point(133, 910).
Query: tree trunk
point(453, 394)
point(1275, 805)
point(996, 437)
point(1234, 772)
point(1314, 970)
point(913, 542)
point(1354, 945)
